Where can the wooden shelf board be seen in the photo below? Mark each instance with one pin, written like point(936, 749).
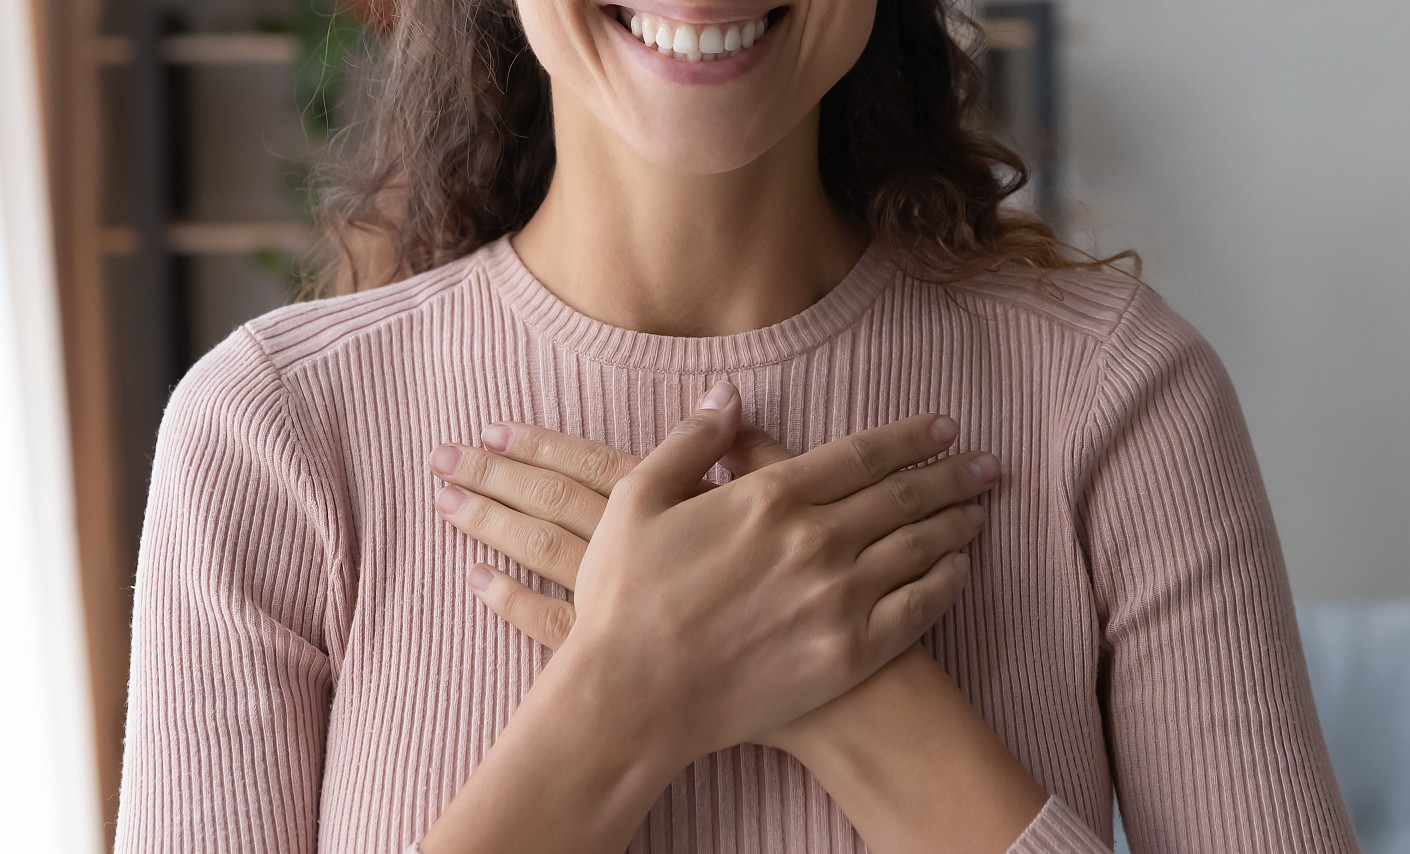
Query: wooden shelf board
point(1010, 33)
point(212, 238)
point(205, 49)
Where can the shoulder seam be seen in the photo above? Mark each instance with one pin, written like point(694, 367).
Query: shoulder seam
point(1100, 361)
point(1086, 446)
point(1055, 319)
point(452, 285)
point(308, 487)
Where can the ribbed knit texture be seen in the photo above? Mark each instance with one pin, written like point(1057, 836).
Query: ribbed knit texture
point(311, 670)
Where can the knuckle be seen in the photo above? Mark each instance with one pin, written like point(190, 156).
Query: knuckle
point(540, 546)
point(769, 495)
point(598, 463)
point(475, 466)
point(911, 541)
point(512, 604)
point(915, 607)
point(558, 621)
point(808, 536)
point(476, 515)
point(632, 489)
point(693, 425)
point(866, 455)
point(549, 496)
point(905, 494)
point(529, 442)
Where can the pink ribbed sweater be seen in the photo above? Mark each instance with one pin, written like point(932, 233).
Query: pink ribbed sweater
point(310, 670)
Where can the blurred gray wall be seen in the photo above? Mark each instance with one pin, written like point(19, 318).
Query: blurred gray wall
point(1256, 155)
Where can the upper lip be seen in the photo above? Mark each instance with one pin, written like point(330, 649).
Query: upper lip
point(684, 13)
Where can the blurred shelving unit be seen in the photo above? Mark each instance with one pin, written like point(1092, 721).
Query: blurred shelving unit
point(1025, 83)
point(175, 143)
point(174, 130)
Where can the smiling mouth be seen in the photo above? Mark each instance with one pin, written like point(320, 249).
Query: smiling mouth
point(694, 42)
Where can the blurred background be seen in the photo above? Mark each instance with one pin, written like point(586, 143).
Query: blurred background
point(154, 156)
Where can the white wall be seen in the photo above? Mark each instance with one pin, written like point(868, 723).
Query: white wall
point(1257, 154)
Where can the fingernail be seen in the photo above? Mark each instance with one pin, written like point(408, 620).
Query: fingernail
point(480, 577)
point(976, 514)
point(445, 460)
point(942, 429)
point(450, 499)
point(985, 467)
point(496, 437)
point(961, 564)
point(719, 396)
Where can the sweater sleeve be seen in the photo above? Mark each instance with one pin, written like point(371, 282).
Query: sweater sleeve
point(1213, 737)
point(230, 681)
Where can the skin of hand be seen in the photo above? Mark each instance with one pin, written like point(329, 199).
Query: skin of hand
point(538, 495)
point(911, 762)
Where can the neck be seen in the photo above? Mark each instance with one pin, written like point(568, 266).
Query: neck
point(628, 243)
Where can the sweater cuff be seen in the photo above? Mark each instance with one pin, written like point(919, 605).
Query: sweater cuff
point(1056, 829)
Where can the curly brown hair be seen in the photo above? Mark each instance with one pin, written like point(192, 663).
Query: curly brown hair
point(458, 150)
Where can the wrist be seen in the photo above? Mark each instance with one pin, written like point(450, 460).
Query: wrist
point(624, 706)
point(576, 747)
point(617, 705)
point(909, 758)
point(820, 736)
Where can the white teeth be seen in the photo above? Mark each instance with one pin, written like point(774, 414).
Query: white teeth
point(691, 42)
point(712, 40)
point(732, 39)
point(685, 40)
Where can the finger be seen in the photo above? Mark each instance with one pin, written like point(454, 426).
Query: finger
point(670, 473)
point(753, 449)
point(902, 616)
point(906, 553)
point(593, 464)
point(910, 495)
point(546, 548)
point(839, 468)
point(546, 619)
point(545, 495)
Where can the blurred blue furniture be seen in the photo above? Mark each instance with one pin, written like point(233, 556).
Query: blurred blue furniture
point(1358, 655)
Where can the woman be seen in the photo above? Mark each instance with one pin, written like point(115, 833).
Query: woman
point(806, 225)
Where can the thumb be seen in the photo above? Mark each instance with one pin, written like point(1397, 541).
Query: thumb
point(753, 448)
point(672, 471)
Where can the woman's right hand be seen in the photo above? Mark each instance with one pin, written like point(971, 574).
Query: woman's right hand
point(738, 609)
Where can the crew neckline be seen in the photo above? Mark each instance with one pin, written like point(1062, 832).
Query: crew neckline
point(540, 308)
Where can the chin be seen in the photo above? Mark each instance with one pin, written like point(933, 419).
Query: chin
point(692, 158)
point(704, 150)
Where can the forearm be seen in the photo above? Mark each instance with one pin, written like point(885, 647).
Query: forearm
point(576, 770)
point(915, 767)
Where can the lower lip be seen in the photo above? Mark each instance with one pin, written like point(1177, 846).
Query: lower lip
point(687, 72)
